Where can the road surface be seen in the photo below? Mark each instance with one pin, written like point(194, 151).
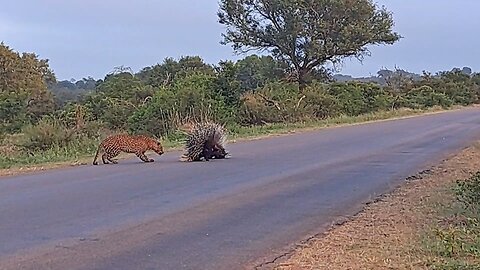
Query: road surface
point(224, 214)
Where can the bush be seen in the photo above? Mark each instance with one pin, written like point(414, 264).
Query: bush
point(280, 102)
point(112, 111)
point(355, 98)
point(425, 97)
point(274, 103)
point(350, 97)
point(374, 97)
point(195, 96)
point(44, 135)
point(468, 192)
point(156, 117)
point(13, 112)
point(319, 103)
point(256, 111)
point(190, 98)
point(459, 87)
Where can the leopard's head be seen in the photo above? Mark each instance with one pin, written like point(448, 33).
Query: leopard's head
point(157, 147)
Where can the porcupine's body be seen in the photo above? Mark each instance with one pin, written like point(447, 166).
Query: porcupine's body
point(205, 140)
point(137, 144)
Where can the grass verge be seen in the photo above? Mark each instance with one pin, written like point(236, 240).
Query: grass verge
point(431, 222)
point(80, 152)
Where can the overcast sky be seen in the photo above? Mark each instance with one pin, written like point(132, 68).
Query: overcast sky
point(89, 38)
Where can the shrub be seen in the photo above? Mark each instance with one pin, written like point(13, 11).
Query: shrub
point(256, 111)
point(319, 103)
point(468, 192)
point(47, 133)
point(195, 95)
point(374, 97)
point(356, 98)
point(459, 87)
point(425, 97)
point(274, 103)
point(112, 111)
point(13, 112)
point(156, 117)
point(189, 98)
point(280, 102)
point(349, 96)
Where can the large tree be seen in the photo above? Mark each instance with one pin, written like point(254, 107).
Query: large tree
point(24, 96)
point(306, 34)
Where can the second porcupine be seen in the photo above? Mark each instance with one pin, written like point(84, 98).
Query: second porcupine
point(205, 140)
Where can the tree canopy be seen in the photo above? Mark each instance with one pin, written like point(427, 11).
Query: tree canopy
point(24, 95)
point(306, 34)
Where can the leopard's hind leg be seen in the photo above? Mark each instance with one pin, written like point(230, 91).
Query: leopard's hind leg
point(110, 155)
point(104, 158)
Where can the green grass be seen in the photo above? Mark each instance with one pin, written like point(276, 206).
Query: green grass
point(75, 152)
point(239, 132)
point(453, 242)
point(81, 151)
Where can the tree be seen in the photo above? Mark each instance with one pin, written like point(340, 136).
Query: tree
point(24, 95)
point(306, 34)
point(255, 71)
point(226, 83)
point(164, 74)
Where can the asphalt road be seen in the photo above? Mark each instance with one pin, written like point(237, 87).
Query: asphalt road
point(225, 214)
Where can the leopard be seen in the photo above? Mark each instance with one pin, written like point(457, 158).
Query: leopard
point(137, 144)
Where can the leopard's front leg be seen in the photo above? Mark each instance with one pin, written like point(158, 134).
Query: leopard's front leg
point(143, 157)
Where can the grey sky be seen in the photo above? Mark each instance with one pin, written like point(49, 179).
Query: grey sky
point(89, 38)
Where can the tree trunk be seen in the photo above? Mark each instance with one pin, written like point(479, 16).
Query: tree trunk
point(302, 79)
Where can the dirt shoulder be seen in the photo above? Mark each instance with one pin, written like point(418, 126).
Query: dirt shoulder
point(390, 233)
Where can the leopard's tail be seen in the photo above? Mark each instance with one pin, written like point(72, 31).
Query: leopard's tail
point(96, 155)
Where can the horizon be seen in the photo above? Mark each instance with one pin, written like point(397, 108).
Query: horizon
point(99, 36)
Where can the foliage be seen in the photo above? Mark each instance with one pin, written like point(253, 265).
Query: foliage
point(456, 239)
point(424, 97)
point(196, 96)
point(47, 133)
point(116, 98)
point(255, 71)
point(170, 70)
point(23, 73)
point(125, 86)
point(306, 34)
point(279, 102)
point(357, 98)
point(459, 87)
point(190, 98)
point(13, 112)
point(227, 83)
point(156, 117)
point(273, 103)
point(468, 192)
point(319, 103)
point(23, 88)
point(69, 91)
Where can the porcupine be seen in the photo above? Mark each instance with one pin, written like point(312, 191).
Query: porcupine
point(205, 140)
